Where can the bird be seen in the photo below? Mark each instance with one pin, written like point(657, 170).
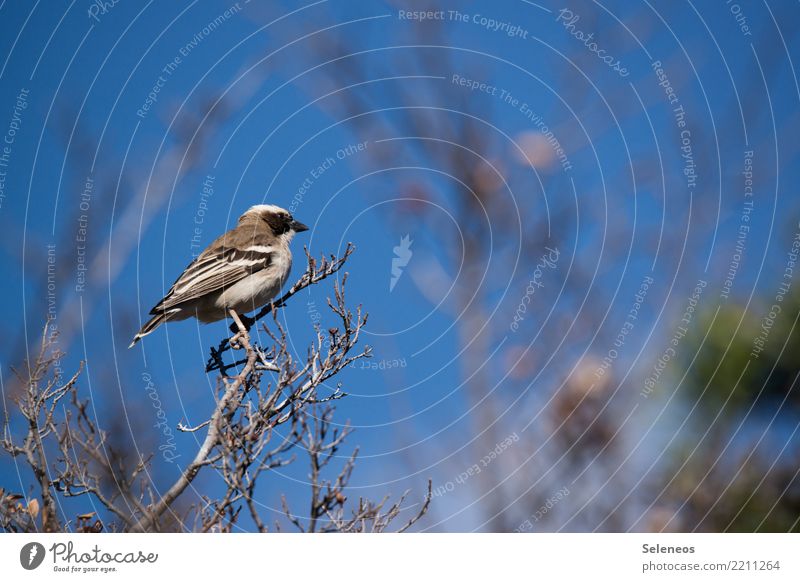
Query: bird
point(241, 270)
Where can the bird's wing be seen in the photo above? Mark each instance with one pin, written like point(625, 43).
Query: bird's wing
point(214, 270)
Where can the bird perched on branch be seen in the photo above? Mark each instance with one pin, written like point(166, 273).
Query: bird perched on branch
point(242, 270)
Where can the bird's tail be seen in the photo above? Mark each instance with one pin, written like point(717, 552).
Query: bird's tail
point(148, 327)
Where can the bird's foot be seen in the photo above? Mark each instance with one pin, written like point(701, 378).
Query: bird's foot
point(240, 327)
point(235, 341)
point(245, 321)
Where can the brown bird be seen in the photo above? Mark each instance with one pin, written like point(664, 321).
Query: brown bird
point(242, 270)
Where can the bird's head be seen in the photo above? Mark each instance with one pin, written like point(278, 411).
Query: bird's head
point(280, 221)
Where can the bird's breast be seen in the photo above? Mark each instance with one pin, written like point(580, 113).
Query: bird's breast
point(259, 288)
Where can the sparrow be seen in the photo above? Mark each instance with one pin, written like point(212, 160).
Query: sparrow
point(242, 270)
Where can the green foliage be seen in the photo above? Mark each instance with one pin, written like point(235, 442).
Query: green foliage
point(745, 358)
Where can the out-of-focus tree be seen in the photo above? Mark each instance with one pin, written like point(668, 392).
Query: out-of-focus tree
point(742, 475)
point(507, 191)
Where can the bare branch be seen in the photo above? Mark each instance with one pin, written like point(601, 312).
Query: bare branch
point(256, 424)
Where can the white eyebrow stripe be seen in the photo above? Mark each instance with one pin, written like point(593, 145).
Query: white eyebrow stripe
point(259, 249)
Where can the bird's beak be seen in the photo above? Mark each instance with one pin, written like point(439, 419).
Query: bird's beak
point(298, 226)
